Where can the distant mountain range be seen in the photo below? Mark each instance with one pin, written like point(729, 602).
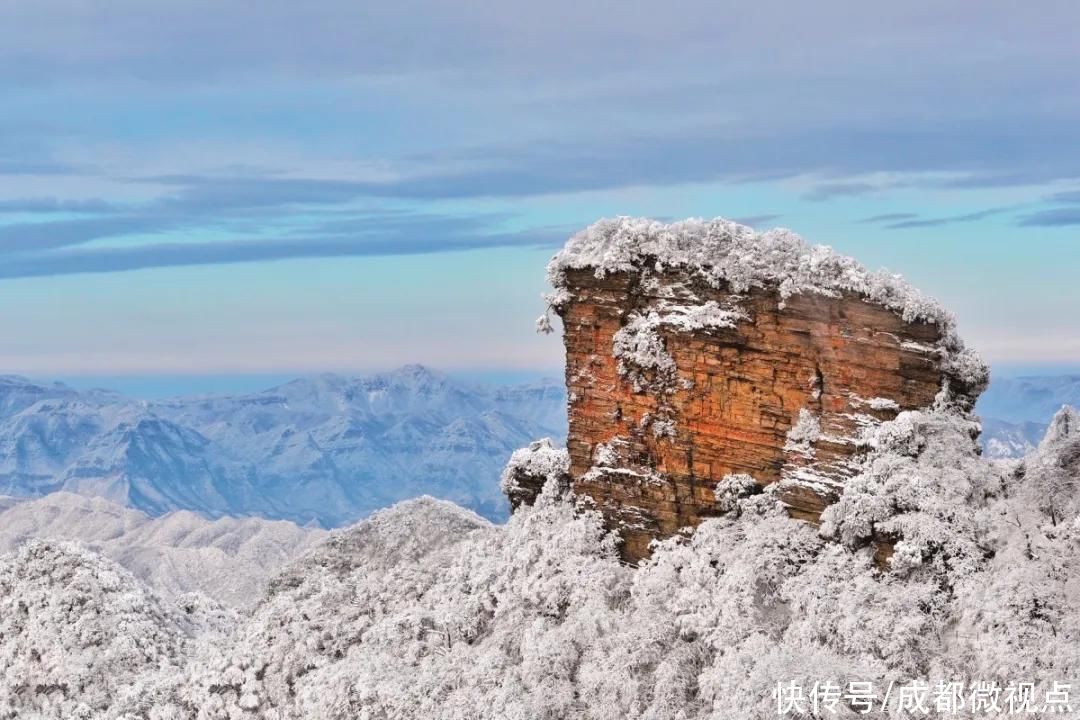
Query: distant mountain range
point(1015, 411)
point(325, 450)
point(228, 559)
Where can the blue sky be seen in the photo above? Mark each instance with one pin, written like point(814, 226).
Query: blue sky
point(259, 189)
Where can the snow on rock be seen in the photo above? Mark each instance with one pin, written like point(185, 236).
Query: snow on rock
point(804, 433)
point(640, 349)
point(711, 350)
point(934, 565)
point(533, 467)
point(723, 251)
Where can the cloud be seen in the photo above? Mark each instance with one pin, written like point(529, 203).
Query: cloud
point(718, 155)
point(196, 204)
point(318, 209)
point(134, 39)
point(1054, 217)
point(828, 191)
point(451, 120)
point(756, 220)
point(211, 194)
point(402, 235)
point(660, 158)
point(43, 205)
point(1069, 196)
point(948, 220)
point(211, 133)
point(261, 203)
point(25, 146)
point(889, 217)
point(23, 237)
point(617, 93)
point(36, 167)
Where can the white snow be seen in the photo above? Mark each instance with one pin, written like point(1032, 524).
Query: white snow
point(540, 459)
point(804, 433)
point(732, 489)
point(727, 254)
point(605, 455)
point(722, 251)
point(228, 559)
point(81, 636)
point(426, 610)
point(875, 403)
point(639, 345)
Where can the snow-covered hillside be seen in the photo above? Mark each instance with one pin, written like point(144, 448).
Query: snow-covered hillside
point(228, 559)
point(326, 450)
point(426, 610)
point(82, 636)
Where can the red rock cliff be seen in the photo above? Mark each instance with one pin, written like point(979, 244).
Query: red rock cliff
point(700, 353)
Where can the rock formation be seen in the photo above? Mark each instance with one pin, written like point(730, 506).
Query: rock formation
point(701, 355)
point(531, 468)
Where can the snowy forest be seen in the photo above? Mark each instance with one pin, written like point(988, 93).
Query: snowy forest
point(428, 610)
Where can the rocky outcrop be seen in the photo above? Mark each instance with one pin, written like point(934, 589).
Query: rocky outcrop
point(531, 469)
point(700, 352)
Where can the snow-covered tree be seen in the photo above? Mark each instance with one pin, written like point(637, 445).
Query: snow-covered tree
point(81, 637)
point(427, 611)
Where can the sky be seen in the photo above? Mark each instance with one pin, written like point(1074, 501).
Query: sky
point(256, 189)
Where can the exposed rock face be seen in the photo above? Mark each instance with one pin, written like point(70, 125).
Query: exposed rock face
point(699, 351)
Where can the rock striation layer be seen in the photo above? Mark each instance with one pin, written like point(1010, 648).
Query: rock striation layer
point(700, 355)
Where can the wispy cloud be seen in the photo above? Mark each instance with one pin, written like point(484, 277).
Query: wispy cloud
point(404, 235)
point(45, 205)
point(757, 220)
point(623, 124)
point(36, 167)
point(37, 236)
point(1054, 217)
point(665, 158)
point(947, 220)
point(196, 132)
point(1068, 196)
point(889, 217)
point(828, 191)
point(213, 194)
